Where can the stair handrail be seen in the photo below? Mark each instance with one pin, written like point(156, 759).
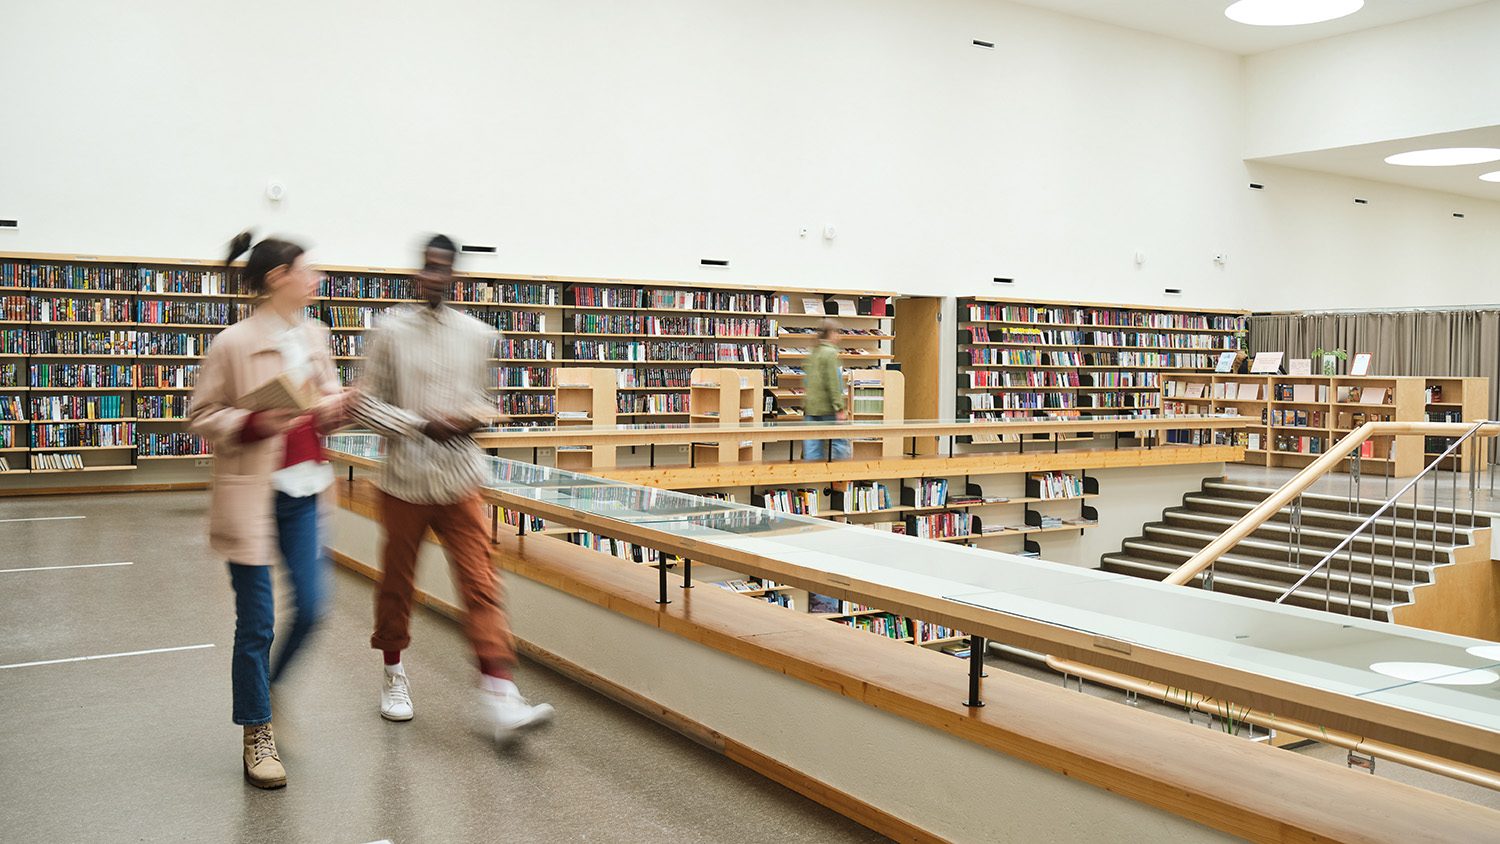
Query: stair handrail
point(1380, 510)
point(1262, 512)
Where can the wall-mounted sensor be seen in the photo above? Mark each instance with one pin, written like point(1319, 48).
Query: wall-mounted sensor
point(1140, 257)
point(1220, 258)
point(275, 191)
point(829, 233)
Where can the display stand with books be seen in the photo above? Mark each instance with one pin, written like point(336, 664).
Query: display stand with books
point(726, 397)
point(585, 397)
point(1302, 415)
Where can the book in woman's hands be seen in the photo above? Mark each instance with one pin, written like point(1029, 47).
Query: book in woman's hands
point(279, 393)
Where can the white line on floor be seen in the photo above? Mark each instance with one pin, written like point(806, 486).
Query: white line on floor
point(54, 568)
point(105, 656)
point(44, 519)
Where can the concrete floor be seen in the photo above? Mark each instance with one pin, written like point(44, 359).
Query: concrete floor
point(1450, 486)
point(141, 748)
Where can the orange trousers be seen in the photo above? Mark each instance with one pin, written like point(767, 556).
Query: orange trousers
point(466, 542)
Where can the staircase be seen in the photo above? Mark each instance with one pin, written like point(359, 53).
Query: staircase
point(1265, 564)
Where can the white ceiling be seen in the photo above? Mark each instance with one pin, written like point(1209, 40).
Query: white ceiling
point(1367, 161)
point(1203, 21)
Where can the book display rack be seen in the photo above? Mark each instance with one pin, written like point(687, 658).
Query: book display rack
point(1301, 415)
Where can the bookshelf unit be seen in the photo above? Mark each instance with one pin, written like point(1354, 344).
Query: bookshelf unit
point(726, 397)
point(585, 397)
point(1028, 359)
point(1455, 400)
point(156, 318)
point(866, 321)
point(99, 356)
point(1301, 415)
point(876, 395)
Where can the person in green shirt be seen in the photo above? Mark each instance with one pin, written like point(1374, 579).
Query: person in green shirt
point(824, 401)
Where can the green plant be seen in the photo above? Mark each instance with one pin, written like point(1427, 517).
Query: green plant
point(1329, 367)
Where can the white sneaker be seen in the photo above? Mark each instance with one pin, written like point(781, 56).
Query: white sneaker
point(509, 713)
point(395, 697)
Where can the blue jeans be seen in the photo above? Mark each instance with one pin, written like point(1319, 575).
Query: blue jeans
point(813, 449)
point(252, 670)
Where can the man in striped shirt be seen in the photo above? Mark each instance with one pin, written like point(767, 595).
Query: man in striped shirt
point(424, 387)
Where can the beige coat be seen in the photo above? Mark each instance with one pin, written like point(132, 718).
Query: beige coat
point(241, 521)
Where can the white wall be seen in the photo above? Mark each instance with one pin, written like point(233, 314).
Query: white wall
point(633, 139)
point(1422, 77)
point(1315, 248)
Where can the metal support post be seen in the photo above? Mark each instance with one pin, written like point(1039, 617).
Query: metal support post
point(687, 573)
point(661, 568)
point(976, 670)
point(520, 524)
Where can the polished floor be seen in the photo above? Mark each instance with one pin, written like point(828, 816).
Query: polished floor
point(140, 747)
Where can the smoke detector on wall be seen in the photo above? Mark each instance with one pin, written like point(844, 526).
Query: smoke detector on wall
point(276, 190)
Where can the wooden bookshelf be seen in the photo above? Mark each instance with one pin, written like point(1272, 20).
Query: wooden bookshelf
point(1030, 358)
point(1455, 400)
point(1302, 415)
point(547, 322)
point(585, 397)
point(876, 395)
point(726, 397)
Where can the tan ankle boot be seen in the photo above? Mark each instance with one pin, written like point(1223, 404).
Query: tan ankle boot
point(262, 766)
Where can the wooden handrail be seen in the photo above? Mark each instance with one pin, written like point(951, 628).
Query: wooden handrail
point(1303, 729)
point(1262, 512)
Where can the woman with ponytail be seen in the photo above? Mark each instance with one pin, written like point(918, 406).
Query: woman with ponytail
point(268, 475)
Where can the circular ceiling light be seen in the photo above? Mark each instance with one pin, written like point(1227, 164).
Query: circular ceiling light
point(1436, 673)
point(1446, 157)
point(1290, 12)
point(1493, 176)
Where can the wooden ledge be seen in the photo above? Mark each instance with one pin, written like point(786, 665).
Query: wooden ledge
point(768, 472)
point(1247, 789)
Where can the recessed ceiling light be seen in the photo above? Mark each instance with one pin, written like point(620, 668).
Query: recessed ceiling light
point(1290, 12)
point(1448, 157)
point(1436, 673)
point(1493, 176)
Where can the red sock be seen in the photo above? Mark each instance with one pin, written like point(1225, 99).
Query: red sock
point(392, 657)
point(494, 668)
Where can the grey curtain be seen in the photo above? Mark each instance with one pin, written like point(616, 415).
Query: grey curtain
point(1456, 343)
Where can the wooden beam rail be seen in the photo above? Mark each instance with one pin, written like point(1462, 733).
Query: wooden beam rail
point(1263, 512)
point(1465, 743)
point(667, 435)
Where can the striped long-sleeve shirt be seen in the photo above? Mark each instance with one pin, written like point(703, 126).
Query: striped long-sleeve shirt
point(423, 364)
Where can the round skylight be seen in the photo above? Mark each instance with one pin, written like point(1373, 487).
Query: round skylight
point(1446, 157)
point(1290, 12)
point(1436, 673)
point(1493, 176)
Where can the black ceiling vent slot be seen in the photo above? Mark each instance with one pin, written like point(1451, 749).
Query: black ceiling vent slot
point(1458, 215)
point(1005, 281)
point(988, 45)
point(714, 262)
point(1257, 186)
point(9, 224)
point(483, 250)
point(1173, 291)
point(1361, 202)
